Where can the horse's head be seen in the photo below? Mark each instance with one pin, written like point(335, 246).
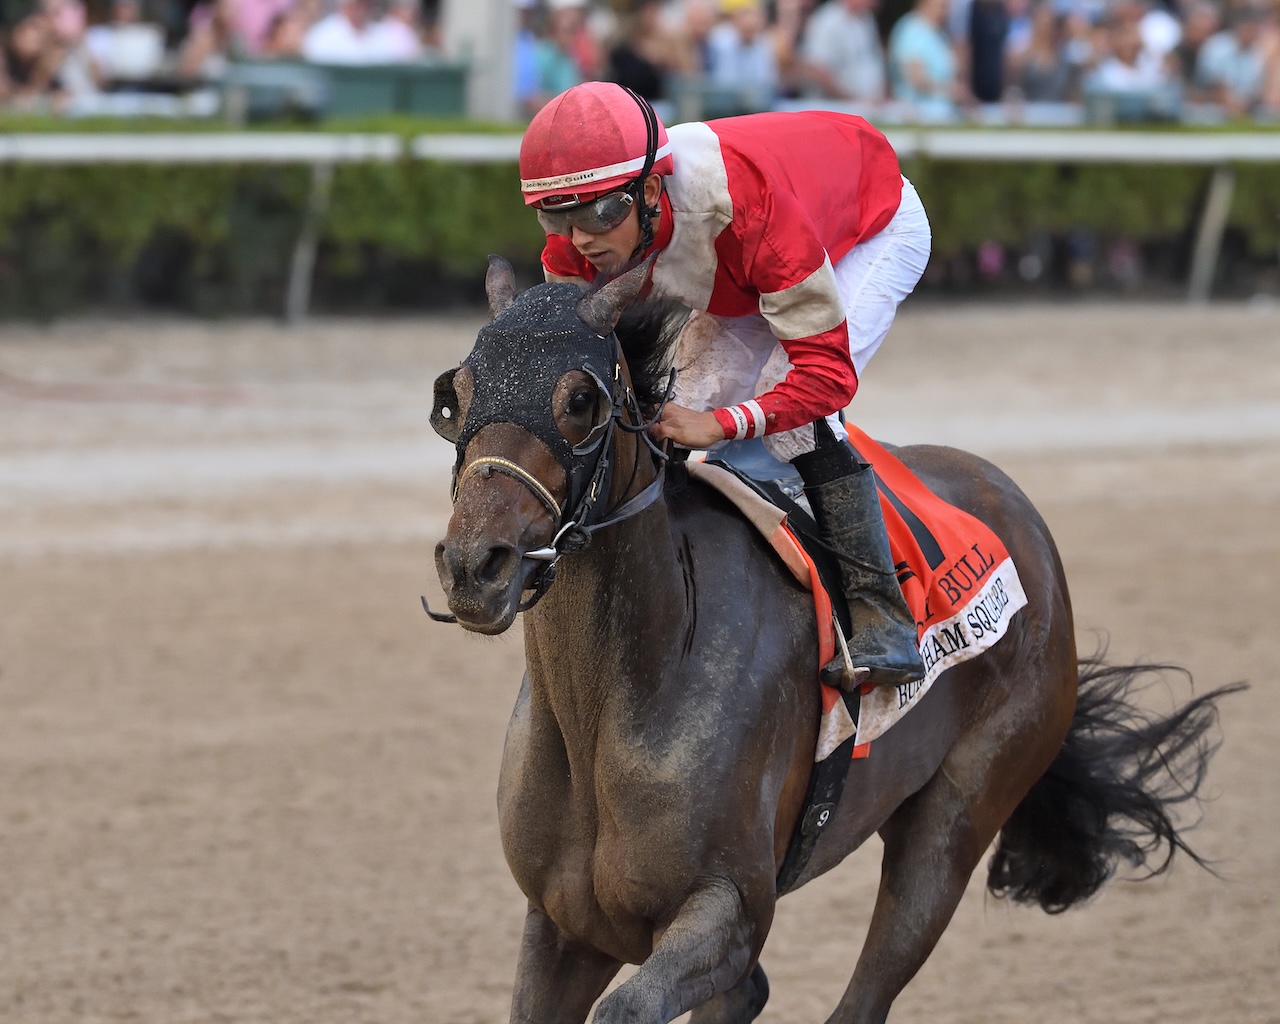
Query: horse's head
point(532, 412)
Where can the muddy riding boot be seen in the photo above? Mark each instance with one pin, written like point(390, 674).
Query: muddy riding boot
point(884, 642)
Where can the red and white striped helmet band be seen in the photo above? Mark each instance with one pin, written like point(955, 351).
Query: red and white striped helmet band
point(574, 181)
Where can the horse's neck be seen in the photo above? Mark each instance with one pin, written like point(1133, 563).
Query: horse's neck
point(611, 626)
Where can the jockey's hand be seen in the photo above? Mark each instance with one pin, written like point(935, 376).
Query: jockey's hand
point(686, 427)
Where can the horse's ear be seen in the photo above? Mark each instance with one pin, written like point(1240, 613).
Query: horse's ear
point(499, 285)
point(601, 308)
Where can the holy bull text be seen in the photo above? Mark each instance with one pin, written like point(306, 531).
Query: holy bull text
point(964, 576)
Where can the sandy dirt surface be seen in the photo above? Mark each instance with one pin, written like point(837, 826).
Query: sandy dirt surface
point(243, 778)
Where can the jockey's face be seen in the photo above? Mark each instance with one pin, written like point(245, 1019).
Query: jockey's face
point(609, 251)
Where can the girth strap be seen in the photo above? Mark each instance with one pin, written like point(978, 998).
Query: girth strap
point(826, 784)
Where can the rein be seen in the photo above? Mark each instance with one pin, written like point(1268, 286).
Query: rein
point(574, 529)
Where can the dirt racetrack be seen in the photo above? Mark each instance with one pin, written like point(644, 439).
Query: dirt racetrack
point(243, 778)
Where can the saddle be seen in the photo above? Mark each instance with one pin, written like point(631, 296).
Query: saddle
point(956, 575)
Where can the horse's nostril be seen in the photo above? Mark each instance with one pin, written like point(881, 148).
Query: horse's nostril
point(444, 566)
point(494, 565)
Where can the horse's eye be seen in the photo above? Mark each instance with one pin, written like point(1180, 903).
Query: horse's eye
point(580, 403)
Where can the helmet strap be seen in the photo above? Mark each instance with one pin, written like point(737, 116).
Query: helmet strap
point(646, 212)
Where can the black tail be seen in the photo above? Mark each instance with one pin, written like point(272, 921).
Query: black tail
point(1111, 794)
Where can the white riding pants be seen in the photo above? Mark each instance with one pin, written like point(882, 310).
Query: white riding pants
point(723, 361)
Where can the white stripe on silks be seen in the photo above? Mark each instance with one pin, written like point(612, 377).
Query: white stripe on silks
point(811, 307)
point(568, 182)
point(752, 408)
point(698, 191)
point(739, 422)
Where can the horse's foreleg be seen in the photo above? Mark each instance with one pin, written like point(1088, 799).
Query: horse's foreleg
point(705, 950)
point(739, 1005)
point(557, 981)
point(930, 850)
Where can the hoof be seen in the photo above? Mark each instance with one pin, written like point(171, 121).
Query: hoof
point(740, 1005)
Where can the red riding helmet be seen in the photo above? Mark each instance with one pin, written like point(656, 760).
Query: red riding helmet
point(590, 139)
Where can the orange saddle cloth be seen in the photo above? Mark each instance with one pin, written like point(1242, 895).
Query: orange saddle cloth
point(957, 577)
point(959, 581)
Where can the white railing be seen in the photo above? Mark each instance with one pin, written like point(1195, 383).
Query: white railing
point(323, 151)
point(198, 148)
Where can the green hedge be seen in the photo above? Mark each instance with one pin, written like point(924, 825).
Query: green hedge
point(76, 235)
point(971, 202)
point(221, 236)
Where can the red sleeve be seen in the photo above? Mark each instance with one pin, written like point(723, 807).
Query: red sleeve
point(822, 380)
point(784, 260)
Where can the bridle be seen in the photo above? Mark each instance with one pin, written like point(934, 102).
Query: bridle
point(589, 471)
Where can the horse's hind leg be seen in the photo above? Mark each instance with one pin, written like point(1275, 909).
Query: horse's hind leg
point(930, 850)
point(935, 839)
point(739, 1005)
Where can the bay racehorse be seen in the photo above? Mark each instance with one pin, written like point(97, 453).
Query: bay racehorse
point(660, 748)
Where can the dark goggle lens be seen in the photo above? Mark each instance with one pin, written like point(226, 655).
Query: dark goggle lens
point(594, 217)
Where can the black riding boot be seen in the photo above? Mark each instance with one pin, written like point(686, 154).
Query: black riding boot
point(884, 642)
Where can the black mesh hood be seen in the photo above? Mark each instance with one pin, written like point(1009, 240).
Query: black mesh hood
point(519, 357)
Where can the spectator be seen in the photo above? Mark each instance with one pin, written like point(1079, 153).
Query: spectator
point(843, 58)
point(253, 20)
point(77, 73)
point(1018, 33)
point(283, 39)
point(743, 61)
point(1200, 23)
point(66, 20)
point(1129, 68)
point(1232, 65)
point(647, 53)
point(985, 46)
point(700, 17)
point(788, 25)
point(344, 37)
point(1161, 31)
point(126, 48)
point(32, 58)
point(554, 67)
point(1042, 75)
point(922, 65)
point(211, 40)
point(396, 37)
point(1269, 103)
point(569, 27)
point(1082, 48)
point(524, 56)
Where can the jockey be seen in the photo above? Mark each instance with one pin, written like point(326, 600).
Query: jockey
point(793, 237)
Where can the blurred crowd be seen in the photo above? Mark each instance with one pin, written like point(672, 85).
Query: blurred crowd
point(898, 60)
point(60, 52)
point(929, 60)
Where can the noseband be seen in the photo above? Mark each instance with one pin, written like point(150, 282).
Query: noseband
point(589, 470)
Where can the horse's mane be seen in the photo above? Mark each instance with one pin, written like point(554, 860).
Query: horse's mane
point(647, 332)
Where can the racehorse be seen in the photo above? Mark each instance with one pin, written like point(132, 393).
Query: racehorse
point(662, 741)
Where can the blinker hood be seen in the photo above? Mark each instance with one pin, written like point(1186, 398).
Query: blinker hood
point(515, 365)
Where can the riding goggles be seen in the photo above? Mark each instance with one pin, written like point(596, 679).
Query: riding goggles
point(594, 216)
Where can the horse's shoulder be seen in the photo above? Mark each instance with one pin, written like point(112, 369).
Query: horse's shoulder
point(712, 530)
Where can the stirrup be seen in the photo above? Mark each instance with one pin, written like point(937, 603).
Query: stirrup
point(835, 673)
point(840, 671)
